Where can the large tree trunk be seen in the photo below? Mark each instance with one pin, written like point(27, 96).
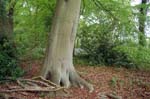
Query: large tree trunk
point(142, 19)
point(58, 65)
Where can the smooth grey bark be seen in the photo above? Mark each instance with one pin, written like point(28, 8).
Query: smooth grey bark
point(58, 66)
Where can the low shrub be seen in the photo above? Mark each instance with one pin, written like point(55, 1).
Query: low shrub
point(8, 60)
point(108, 54)
point(139, 55)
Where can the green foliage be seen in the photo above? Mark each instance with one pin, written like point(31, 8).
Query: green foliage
point(109, 35)
point(32, 23)
point(8, 60)
point(99, 40)
point(113, 82)
point(140, 56)
point(106, 30)
point(116, 82)
point(105, 53)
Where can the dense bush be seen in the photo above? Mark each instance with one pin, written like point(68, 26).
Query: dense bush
point(107, 54)
point(104, 44)
point(139, 55)
point(8, 60)
point(100, 46)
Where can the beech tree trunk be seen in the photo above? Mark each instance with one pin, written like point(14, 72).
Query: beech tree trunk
point(58, 65)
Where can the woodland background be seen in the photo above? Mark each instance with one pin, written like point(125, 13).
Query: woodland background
point(112, 35)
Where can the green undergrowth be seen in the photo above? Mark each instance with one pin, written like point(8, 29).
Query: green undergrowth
point(8, 60)
point(131, 57)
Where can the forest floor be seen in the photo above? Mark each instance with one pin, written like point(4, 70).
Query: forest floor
point(109, 83)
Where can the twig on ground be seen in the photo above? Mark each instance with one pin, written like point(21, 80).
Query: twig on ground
point(114, 96)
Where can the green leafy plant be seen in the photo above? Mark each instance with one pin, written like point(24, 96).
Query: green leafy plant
point(139, 55)
point(8, 60)
point(113, 82)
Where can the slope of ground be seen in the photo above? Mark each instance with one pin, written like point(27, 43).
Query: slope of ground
point(109, 83)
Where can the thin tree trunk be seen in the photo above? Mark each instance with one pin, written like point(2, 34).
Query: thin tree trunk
point(10, 20)
point(58, 65)
point(2, 18)
point(6, 18)
point(142, 19)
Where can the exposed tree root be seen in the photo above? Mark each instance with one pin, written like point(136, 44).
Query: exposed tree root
point(78, 81)
point(47, 81)
point(34, 82)
point(33, 90)
point(20, 84)
point(3, 96)
point(37, 84)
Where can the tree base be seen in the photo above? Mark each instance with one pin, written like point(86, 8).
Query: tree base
point(66, 77)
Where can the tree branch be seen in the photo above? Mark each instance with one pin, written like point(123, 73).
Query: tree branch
point(100, 5)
